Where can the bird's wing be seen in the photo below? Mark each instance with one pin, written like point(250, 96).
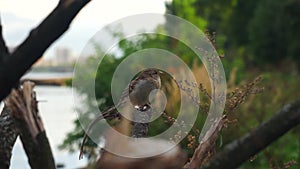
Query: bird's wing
point(124, 96)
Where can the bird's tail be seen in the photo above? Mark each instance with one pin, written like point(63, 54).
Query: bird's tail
point(111, 113)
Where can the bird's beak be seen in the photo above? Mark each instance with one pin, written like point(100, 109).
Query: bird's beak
point(160, 72)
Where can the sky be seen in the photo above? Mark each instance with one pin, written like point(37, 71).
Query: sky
point(18, 17)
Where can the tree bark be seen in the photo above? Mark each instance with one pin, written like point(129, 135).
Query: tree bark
point(206, 145)
point(23, 106)
point(9, 134)
point(141, 119)
point(13, 67)
point(3, 47)
point(237, 152)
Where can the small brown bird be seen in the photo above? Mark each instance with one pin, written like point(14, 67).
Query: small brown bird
point(138, 91)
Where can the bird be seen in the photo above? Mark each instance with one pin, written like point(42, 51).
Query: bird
point(137, 91)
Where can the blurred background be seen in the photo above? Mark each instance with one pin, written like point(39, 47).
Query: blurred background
point(256, 38)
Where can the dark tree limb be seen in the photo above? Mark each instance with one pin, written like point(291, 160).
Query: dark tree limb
point(3, 47)
point(57, 22)
point(8, 136)
point(23, 106)
point(237, 152)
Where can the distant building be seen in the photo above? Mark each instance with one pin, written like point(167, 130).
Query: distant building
point(63, 56)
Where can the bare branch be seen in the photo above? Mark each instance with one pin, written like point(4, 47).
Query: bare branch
point(206, 144)
point(40, 38)
point(3, 47)
point(235, 153)
point(23, 106)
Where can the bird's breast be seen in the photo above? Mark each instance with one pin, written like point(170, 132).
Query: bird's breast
point(139, 96)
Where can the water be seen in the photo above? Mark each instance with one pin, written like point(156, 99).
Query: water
point(47, 75)
point(57, 111)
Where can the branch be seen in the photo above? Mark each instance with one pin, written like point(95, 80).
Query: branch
point(40, 38)
point(9, 134)
point(206, 145)
point(235, 153)
point(23, 104)
point(3, 47)
point(141, 119)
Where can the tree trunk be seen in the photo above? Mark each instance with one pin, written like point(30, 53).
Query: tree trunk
point(9, 133)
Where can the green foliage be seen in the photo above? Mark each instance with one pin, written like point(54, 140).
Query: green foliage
point(273, 31)
point(263, 29)
point(185, 9)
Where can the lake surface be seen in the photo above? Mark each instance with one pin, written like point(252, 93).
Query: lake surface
point(56, 108)
point(47, 75)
